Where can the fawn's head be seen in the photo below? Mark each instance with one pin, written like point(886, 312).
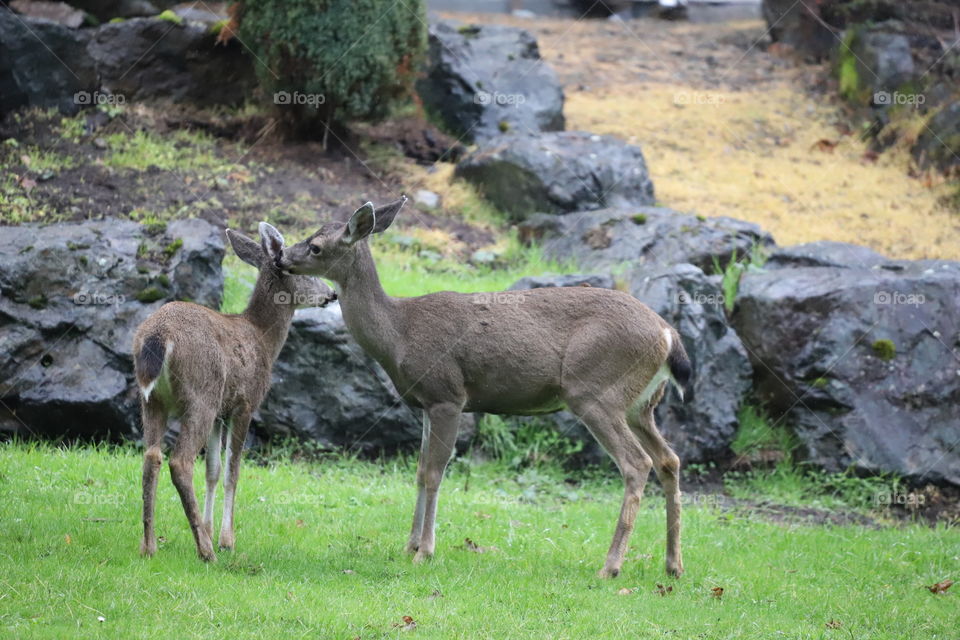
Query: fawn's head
point(280, 286)
point(332, 251)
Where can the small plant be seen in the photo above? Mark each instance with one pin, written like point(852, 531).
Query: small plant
point(173, 247)
point(639, 218)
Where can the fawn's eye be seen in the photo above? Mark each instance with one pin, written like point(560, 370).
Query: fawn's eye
point(314, 249)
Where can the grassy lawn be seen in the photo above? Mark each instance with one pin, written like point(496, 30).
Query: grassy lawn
point(319, 554)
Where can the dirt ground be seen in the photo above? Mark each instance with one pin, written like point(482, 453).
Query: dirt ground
point(730, 129)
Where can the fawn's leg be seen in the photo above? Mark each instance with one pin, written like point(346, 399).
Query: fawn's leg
point(416, 530)
point(196, 423)
point(667, 465)
point(236, 435)
point(213, 462)
point(610, 428)
point(444, 424)
point(154, 426)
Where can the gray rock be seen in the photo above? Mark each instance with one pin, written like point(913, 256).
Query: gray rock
point(571, 280)
point(825, 253)
point(884, 61)
point(482, 81)
point(429, 199)
point(702, 426)
point(43, 64)
point(59, 12)
point(155, 58)
point(327, 390)
point(647, 236)
point(558, 172)
point(864, 364)
point(939, 143)
point(69, 307)
point(800, 25)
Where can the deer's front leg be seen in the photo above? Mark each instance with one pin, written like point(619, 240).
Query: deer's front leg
point(416, 530)
point(444, 422)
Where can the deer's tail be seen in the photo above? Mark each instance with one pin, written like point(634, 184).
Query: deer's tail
point(677, 360)
point(149, 362)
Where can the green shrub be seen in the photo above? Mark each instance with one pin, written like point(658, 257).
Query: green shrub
point(336, 60)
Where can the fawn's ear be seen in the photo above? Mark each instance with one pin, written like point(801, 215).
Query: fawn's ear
point(272, 242)
point(245, 248)
point(387, 213)
point(361, 224)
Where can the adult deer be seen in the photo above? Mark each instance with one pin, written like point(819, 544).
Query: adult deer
point(602, 353)
point(201, 364)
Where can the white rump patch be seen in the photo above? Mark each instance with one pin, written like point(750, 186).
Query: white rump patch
point(663, 373)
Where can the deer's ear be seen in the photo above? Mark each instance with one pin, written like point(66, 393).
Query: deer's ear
point(272, 242)
point(246, 249)
point(361, 224)
point(387, 213)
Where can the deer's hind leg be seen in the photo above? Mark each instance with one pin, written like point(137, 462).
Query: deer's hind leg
point(213, 461)
point(666, 463)
point(236, 435)
point(608, 424)
point(154, 426)
point(196, 424)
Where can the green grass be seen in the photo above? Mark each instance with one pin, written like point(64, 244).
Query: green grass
point(179, 151)
point(320, 555)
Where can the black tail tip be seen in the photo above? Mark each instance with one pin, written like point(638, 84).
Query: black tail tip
point(680, 367)
point(150, 359)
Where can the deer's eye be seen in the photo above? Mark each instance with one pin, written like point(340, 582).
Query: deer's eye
point(314, 249)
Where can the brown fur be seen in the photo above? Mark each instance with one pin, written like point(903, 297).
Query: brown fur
point(520, 352)
point(218, 366)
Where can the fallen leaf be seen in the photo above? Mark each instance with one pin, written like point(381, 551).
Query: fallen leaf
point(25, 160)
point(349, 571)
point(483, 516)
point(624, 592)
point(941, 587)
point(409, 624)
point(101, 619)
point(827, 146)
point(833, 624)
point(717, 592)
point(27, 183)
point(436, 594)
point(870, 156)
point(664, 590)
point(301, 523)
point(470, 545)
point(67, 538)
point(161, 539)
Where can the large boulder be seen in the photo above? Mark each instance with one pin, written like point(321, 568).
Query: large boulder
point(328, 391)
point(558, 172)
point(71, 297)
point(156, 58)
point(799, 25)
point(824, 253)
point(702, 426)
point(482, 81)
point(43, 64)
point(938, 145)
point(606, 239)
point(861, 362)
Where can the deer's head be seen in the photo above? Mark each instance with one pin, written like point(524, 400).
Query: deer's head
point(332, 252)
point(281, 286)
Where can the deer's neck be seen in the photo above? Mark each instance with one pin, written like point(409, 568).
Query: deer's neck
point(368, 312)
point(271, 320)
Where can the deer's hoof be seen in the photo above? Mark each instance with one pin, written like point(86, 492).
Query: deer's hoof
point(421, 557)
point(226, 541)
point(675, 569)
point(147, 549)
point(412, 547)
point(607, 573)
point(207, 555)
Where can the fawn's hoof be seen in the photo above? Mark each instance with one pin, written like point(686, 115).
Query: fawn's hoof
point(607, 572)
point(412, 547)
point(207, 555)
point(147, 549)
point(227, 541)
point(421, 557)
